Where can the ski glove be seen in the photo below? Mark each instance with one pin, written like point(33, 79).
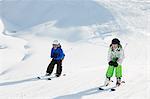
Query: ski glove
point(115, 64)
point(112, 63)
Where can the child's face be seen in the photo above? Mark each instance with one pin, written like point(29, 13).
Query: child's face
point(55, 46)
point(114, 46)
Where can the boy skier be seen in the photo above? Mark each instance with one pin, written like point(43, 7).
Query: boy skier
point(115, 58)
point(57, 56)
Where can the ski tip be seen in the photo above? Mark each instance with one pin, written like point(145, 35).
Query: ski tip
point(100, 88)
point(38, 78)
point(113, 89)
point(49, 79)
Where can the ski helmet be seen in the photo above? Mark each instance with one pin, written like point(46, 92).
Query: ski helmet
point(115, 41)
point(55, 42)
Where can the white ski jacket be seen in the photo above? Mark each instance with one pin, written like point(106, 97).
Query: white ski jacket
point(117, 53)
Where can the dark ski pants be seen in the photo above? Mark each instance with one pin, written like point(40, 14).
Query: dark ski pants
point(51, 67)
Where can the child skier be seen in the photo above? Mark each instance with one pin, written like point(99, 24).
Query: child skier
point(115, 58)
point(57, 56)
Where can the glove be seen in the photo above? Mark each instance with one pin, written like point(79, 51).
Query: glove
point(115, 64)
point(62, 59)
point(111, 63)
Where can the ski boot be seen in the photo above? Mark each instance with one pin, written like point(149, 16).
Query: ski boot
point(118, 83)
point(47, 74)
point(107, 81)
point(57, 75)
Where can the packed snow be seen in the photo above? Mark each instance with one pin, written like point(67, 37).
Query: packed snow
point(25, 48)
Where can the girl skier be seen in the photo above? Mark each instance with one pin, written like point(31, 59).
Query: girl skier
point(115, 58)
point(57, 56)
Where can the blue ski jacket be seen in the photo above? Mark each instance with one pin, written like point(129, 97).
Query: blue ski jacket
point(57, 54)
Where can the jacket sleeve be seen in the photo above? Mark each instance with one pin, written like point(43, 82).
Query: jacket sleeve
point(120, 60)
point(109, 55)
point(51, 53)
point(61, 55)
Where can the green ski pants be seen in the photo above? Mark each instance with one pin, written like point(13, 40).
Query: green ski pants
point(118, 71)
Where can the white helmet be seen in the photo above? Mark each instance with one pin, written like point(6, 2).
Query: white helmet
point(56, 42)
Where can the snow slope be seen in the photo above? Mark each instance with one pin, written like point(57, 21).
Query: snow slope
point(11, 51)
point(23, 14)
point(85, 72)
point(1, 26)
point(85, 63)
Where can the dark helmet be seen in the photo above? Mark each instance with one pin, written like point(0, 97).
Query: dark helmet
point(115, 41)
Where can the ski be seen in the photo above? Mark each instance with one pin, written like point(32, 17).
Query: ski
point(110, 89)
point(100, 88)
point(44, 77)
point(48, 77)
point(105, 85)
point(113, 89)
